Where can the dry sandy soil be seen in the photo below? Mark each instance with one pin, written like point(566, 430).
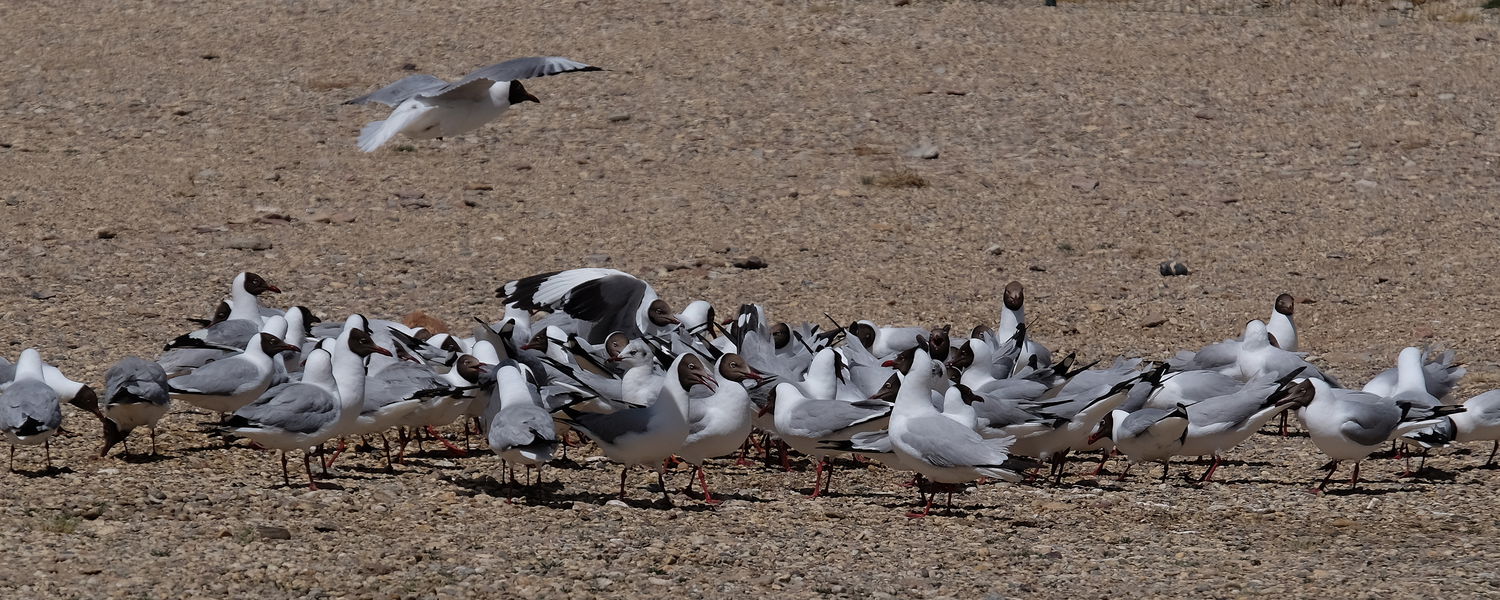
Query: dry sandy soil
point(1346, 155)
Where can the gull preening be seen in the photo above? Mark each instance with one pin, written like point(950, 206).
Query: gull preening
point(428, 107)
point(599, 355)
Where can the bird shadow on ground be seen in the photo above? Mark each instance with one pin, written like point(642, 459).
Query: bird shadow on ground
point(551, 494)
point(43, 472)
point(142, 459)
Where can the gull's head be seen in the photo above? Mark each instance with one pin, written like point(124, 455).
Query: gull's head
point(518, 94)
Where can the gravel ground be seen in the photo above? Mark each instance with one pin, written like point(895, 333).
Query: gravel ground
point(1346, 155)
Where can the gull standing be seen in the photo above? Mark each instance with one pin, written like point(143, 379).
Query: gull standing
point(30, 410)
point(135, 395)
point(649, 434)
point(937, 447)
point(520, 430)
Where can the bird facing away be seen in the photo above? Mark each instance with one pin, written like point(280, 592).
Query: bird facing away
point(428, 107)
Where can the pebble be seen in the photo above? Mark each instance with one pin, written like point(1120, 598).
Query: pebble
point(751, 262)
point(925, 151)
point(105, 233)
point(619, 118)
point(272, 532)
point(596, 260)
point(248, 243)
point(994, 249)
point(1153, 321)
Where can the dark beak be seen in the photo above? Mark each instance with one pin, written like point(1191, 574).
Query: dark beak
point(379, 350)
point(531, 98)
point(272, 288)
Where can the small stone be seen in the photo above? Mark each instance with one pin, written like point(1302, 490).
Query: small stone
point(751, 263)
point(1205, 114)
point(1094, 307)
point(1038, 268)
point(248, 243)
point(1341, 522)
point(1084, 184)
point(658, 581)
point(925, 151)
point(994, 249)
point(1447, 96)
point(105, 233)
point(271, 532)
point(42, 295)
point(1173, 268)
point(617, 503)
point(325, 527)
point(1153, 321)
point(156, 496)
point(596, 260)
point(92, 512)
point(1401, 5)
point(1365, 184)
point(619, 118)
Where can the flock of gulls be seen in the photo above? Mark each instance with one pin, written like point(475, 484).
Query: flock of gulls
point(596, 353)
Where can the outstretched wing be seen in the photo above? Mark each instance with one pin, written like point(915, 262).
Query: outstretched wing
point(524, 68)
point(398, 92)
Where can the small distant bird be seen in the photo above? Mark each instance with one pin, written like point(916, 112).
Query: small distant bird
point(428, 107)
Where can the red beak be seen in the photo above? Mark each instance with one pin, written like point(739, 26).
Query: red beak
point(272, 288)
point(892, 363)
point(379, 350)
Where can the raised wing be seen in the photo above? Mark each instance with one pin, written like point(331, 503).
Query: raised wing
point(400, 91)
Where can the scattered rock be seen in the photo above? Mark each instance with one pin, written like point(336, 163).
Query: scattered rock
point(1084, 184)
point(1094, 307)
point(925, 151)
point(752, 262)
point(1205, 114)
point(43, 295)
point(596, 260)
point(104, 233)
point(1447, 96)
point(1153, 321)
point(248, 243)
point(994, 249)
point(271, 532)
point(1365, 184)
point(617, 503)
point(1173, 268)
point(411, 199)
point(619, 118)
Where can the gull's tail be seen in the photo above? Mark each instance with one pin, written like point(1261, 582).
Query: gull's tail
point(374, 135)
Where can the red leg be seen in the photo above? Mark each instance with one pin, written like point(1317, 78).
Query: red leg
point(1103, 458)
point(307, 465)
point(623, 470)
point(285, 478)
point(708, 498)
point(1210, 474)
point(1354, 481)
point(452, 449)
point(818, 479)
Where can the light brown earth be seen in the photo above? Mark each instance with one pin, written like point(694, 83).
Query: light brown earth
point(1346, 155)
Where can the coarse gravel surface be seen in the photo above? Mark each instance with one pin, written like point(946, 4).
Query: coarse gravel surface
point(1347, 155)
